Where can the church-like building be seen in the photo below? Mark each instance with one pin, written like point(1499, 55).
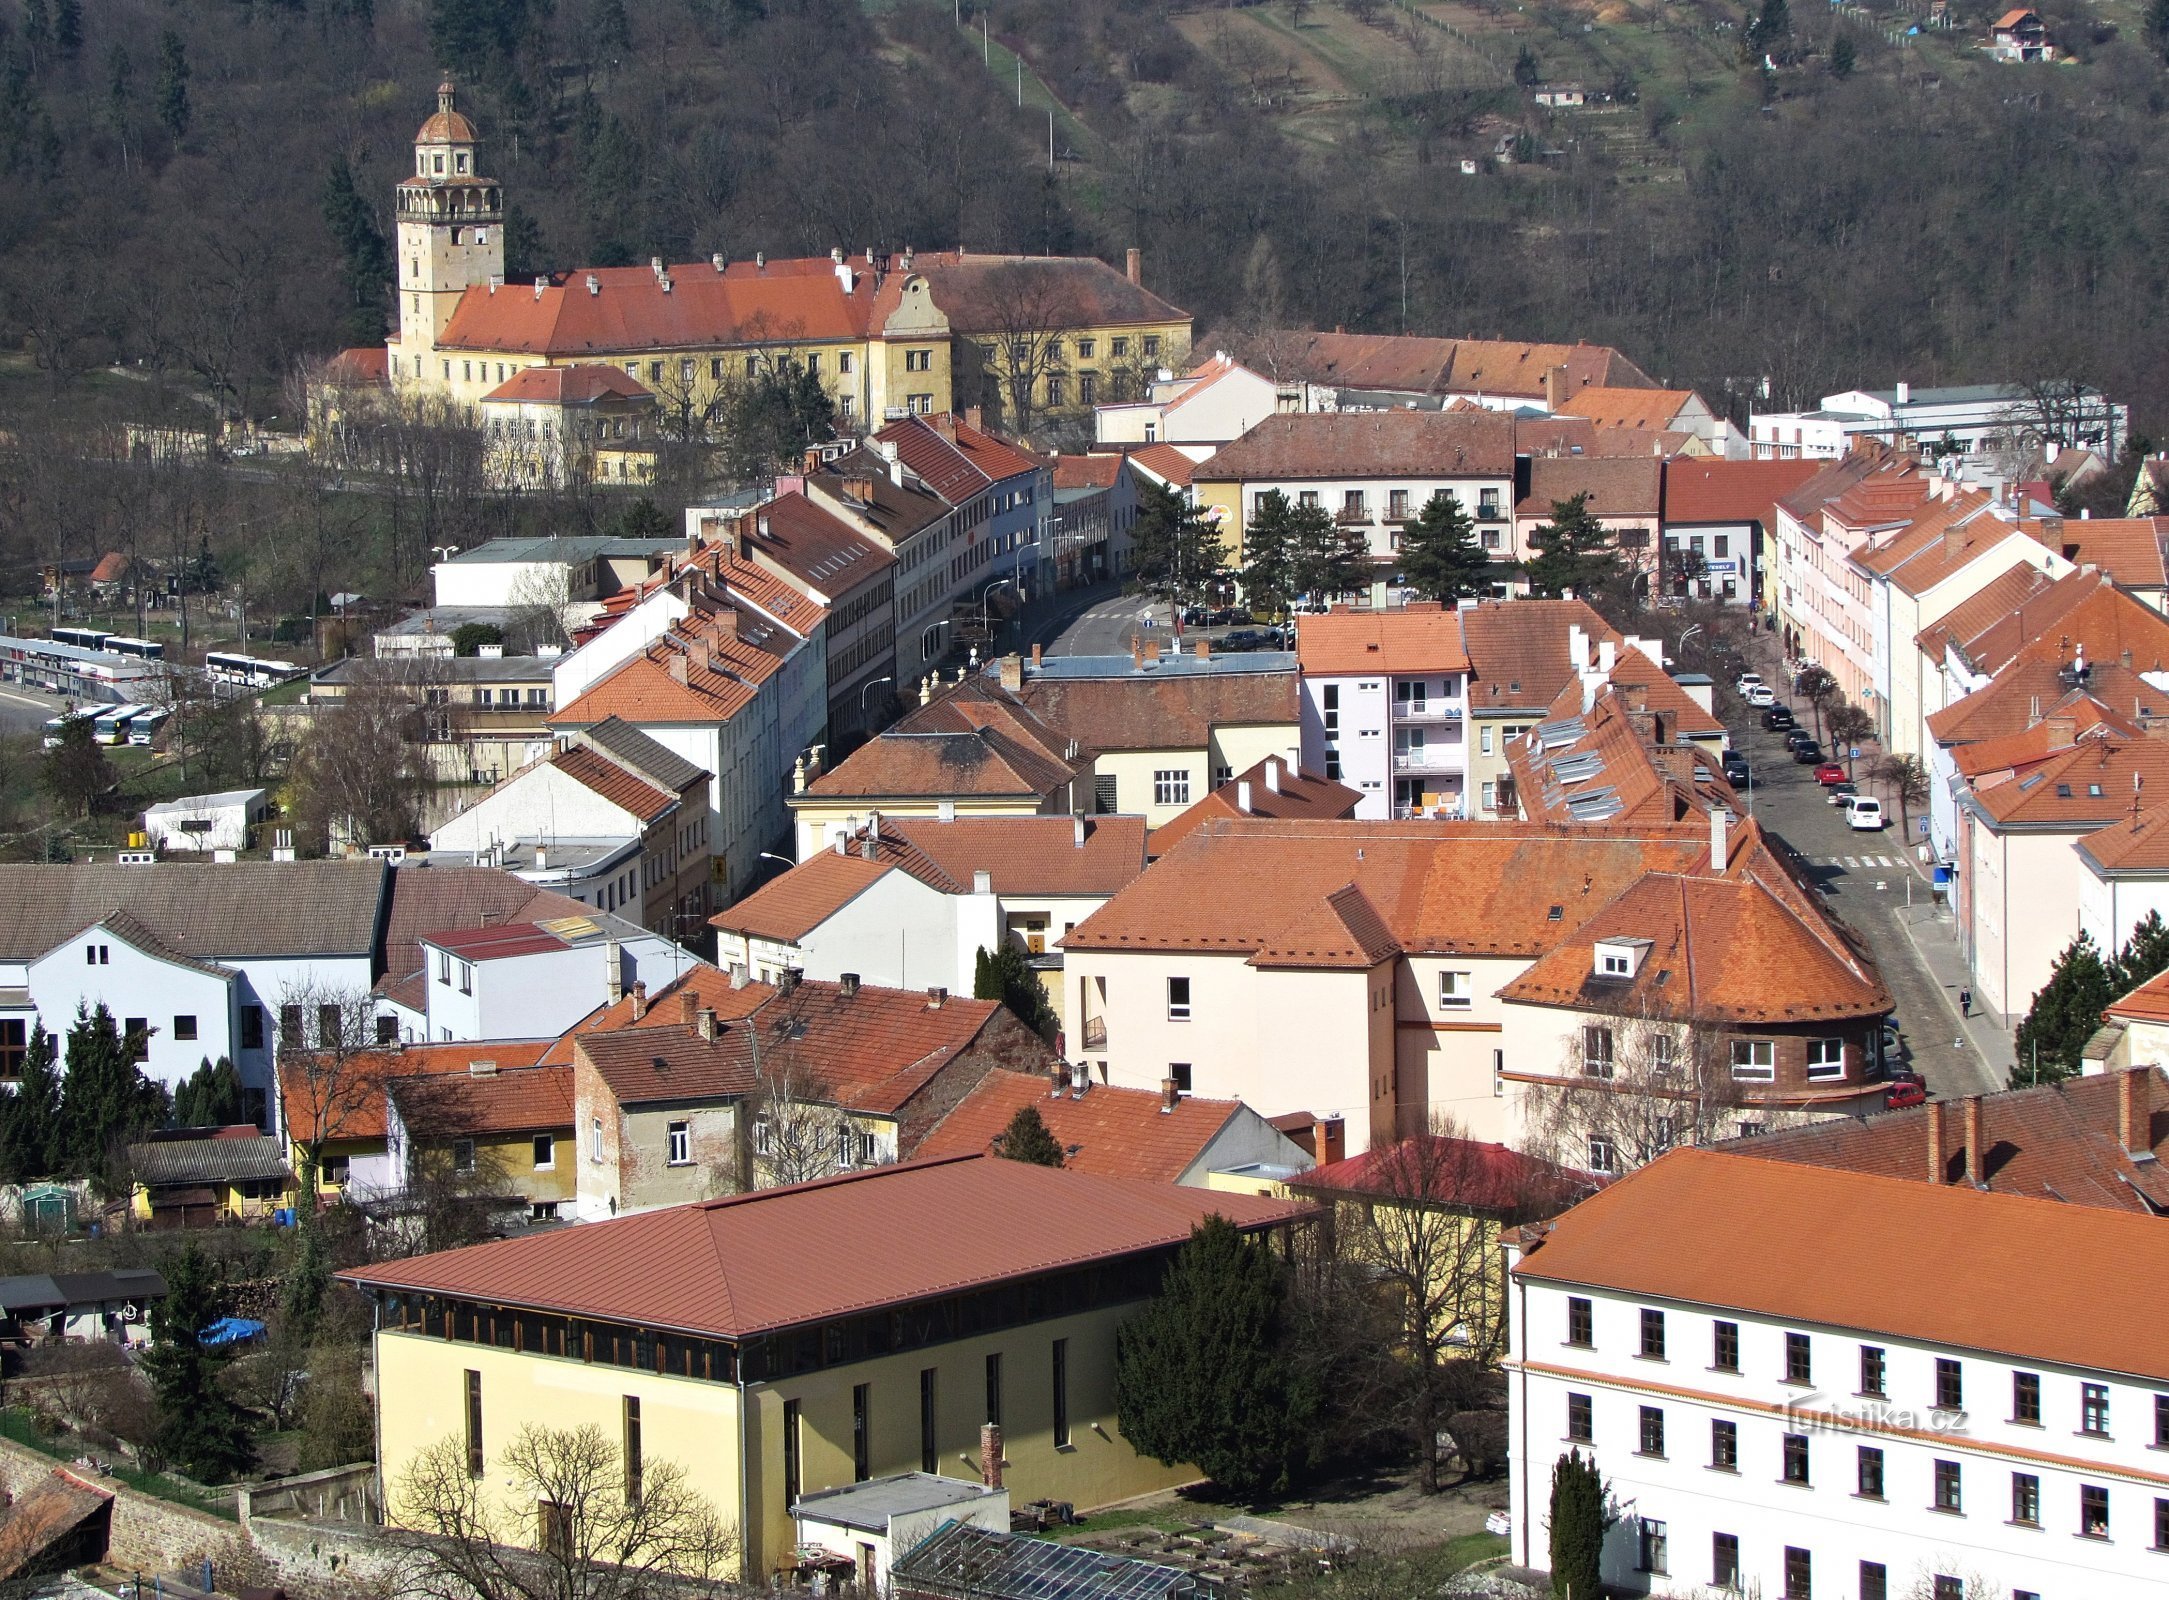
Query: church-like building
point(1025, 338)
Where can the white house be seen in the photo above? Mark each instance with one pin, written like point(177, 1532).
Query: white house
point(1385, 707)
point(1977, 419)
point(527, 980)
point(1214, 403)
point(200, 822)
point(871, 1525)
point(571, 571)
point(1781, 1403)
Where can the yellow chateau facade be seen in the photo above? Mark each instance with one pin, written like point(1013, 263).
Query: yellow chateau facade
point(886, 334)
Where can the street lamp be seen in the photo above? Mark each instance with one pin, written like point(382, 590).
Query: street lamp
point(868, 688)
point(444, 552)
point(986, 601)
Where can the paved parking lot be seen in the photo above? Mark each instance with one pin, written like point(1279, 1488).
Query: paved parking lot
point(1871, 881)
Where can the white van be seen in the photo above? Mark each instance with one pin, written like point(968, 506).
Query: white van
point(1864, 814)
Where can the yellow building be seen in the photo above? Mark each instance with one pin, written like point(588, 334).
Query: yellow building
point(884, 335)
point(194, 1177)
point(766, 1373)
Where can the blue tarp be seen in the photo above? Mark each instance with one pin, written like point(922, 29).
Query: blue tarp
point(230, 1330)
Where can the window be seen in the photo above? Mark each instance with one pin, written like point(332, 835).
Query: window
point(137, 1032)
point(1171, 786)
point(594, 1140)
point(1871, 1369)
point(1454, 992)
point(2094, 1408)
point(1944, 1586)
point(994, 1388)
point(545, 1152)
point(1654, 1553)
point(1596, 1050)
point(1725, 1346)
point(1950, 1384)
point(1950, 1488)
point(252, 1027)
point(1178, 999)
point(1061, 1394)
point(1725, 1560)
point(2026, 1499)
point(1088, 388)
point(918, 360)
point(1799, 1574)
point(1799, 1359)
point(1825, 1060)
point(1724, 1447)
point(1581, 1421)
point(463, 1155)
point(2161, 1524)
point(1086, 349)
point(919, 405)
point(2093, 1511)
point(862, 1441)
point(1652, 1434)
point(1869, 1473)
point(2026, 1399)
point(474, 1424)
point(679, 1141)
point(14, 1045)
point(792, 1461)
point(2161, 1422)
point(1152, 345)
point(1754, 1060)
point(1603, 1154)
point(1795, 1460)
point(631, 1452)
point(1613, 964)
point(929, 1412)
point(1354, 503)
point(1178, 1073)
point(1483, 739)
point(1652, 1334)
point(1055, 389)
point(1580, 1322)
point(1120, 346)
point(184, 1027)
point(1874, 1581)
point(553, 1528)
point(387, 1030)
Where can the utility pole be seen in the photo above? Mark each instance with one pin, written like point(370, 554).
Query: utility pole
point(1050, 138)
point(1020, 80)
point(986, 50)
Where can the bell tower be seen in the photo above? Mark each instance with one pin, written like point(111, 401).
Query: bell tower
point(451, 238)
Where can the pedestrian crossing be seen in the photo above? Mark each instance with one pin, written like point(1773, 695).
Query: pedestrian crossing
point(1858, 863)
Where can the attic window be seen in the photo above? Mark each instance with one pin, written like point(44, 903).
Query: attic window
point(1555, 914)
point(2093, 791)
point(2063, 791)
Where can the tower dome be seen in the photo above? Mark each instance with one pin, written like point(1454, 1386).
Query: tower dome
point(447, 126)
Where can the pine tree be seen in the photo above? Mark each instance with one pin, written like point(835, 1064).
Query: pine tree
point(1575, 553)
point(210, 1097)
point(1326, 562)
point(1579, 1518)
point(308, 1281)
point(2066, 1012)
point(1006, 975)
point(1028, 1139)
point(68, 28)
point(104, 1099)
point(199, 1428)
point(1268, 570)
point(30, 1145)
point(368, 262)
point(2157, 27)
point(1843, 56)
point(1206, 1372)
point(173, 106)
point(1175, 553)
point(2145, 955)
point(1440, 555)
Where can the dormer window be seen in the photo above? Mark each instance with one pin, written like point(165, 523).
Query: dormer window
point(1619, 959)
point(459, 162)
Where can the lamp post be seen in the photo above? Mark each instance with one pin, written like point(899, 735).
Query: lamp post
point(868, 688)
point(986, 601)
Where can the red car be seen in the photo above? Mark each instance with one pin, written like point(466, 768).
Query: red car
point(1905, 1092)
point(1828, 773)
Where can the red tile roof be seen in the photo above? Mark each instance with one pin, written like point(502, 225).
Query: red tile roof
point(952, 458)
point(1701, 490)
point(1518, 650)
point(1414, 365)
point(1416, 638)
point(630, 310)
point(2087, 787)
point(1087, 472)
point(467, 1104)
point(1025, 855)
point(1367, 444)
point(435, 900)
point(611, 781)
point(738, 1267)
point(349, 1103)
point(370, 363)
point(1460, 1173)
point(1617, 486)
point(1144, 709)
point(2034, 689)
point(2147, 1003)
point(1965, 623)
point(1108, 1132)
point(1299, 796)
point(980, 293)
point(792, 904)
point(1712, 1229)
point(578, 385)
point(2134, 843)
point(973, 738)
point(1648, 410)
point(1167, 463)
point(2128, 549)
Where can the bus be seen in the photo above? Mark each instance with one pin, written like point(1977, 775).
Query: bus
point(121, 644)
point(255, 671)
point(144, 727)
point(111, 725)
point(56, 728)
point(82, 638)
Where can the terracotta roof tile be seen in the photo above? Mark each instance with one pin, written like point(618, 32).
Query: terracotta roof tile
point(1965, 623)
point(466, 1104)
point(1368, 444)
point(792, 904)
point(1462, 1173)
point(1617, 486)
point(2087, 787)
point(1518, 650)
point(1108, 1132)
point(1407, 639)
point(1143, 710)
point(2128, 549)
point(1701, 490)
point(1648, 410)
point(1714, 1229)
point(1410, 364)
point(579, 385)
point(953, 459)
point(1029, 855)
point(2133, 843)
point(349, 1103)
point(1165, 462)
point(606, 778)
point(630, 310)
point(427, 900)
point(979, 292)
point(1299, 796)
point(973, 738)
point(737, 1267)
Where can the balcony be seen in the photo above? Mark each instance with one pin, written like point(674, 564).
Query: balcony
point(1490, 511)
point(1431, 758)
point(1428, 712)
point(1353, 517)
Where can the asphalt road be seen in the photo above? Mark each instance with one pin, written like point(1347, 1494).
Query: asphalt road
point(1103, 627)
point(1870, 882)
point(26, 713)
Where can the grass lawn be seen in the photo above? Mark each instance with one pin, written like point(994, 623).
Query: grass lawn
point(16, 1425)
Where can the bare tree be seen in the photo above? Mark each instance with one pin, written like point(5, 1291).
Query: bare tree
point(561, 1515)
point(1026, 318)
point(330, 1071)
point(1632, 1083)
point(542, 608)
point(451, 1188)
point(361, 771)
point(795, 1131)
point(1908, 783)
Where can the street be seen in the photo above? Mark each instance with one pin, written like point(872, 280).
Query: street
point(26, 713)
point(1092, 622)
point(1870, 881)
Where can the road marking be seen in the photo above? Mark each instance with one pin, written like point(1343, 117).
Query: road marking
point(1850, 863)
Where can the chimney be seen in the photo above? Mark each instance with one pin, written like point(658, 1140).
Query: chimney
point(542, 857)
point(1935, 1141)
point(704, 1022)
point(2061, 730)
point(1012, 673)
point(1137, 653)
point(540, 285)
point(1607, 657)
point(847, 985)
point(1077, 831)
point(1035, 655)
point(1242, 797)
point(1577, 644)
point(594, 284)
point(1328, 1139)
point(1272, 775)
point(1134, 267)
point(640, 1000)
point(1720, 827)
point(982, 881)
point(870, 846)
point(1905, 393)
point(688, 1006)
point(719, 261)
point(739, 976)
point(936, 998)
point(944, 423)
point(2135, 1113)
point(1170, 1096)
point(655, 265)
point(1954, 539)
point(1974, 1173)
point(614, 971)
point(1555, 388)
point(1080, 1078)
point(990, 1454)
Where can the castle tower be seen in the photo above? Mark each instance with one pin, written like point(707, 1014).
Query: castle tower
point(451, 238)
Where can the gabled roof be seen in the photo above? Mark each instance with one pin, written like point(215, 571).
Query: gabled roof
point(794, 903)
point(612, 782)
point(952, 458)
point(579, 385)
point(1416, 638)
point(1166, 463)
point(228, 1155)
point(1709, 1228)
point(1620, 760)
point(981, 293)
point(1462, 1174)
point(1700, 490)
point(1944, 538)
point(1367, 444)
point(1832, 480)
point(1026, 855)
point(2136, 843)
point(1617, 486)
point(430, 900)
point(862, 482)
point(203, 912)
point(737, 1267)
point(1519, 650)
point(1293, 794)
point(2128, 549)
point(670, 1062)
point(822, 551)
point(2086, 787)
point(1410, 364)
point(1650, 410)
point(636, 752)
point(1966, 623)
point(349, 1103)
point(449, 1105)
point(972, 739)
point(1148, 710)
point(1109, 1132)
point(2036, 688)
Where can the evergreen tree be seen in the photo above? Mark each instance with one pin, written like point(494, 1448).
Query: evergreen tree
point(2145, 955)
point(76, 772)
point(643, 519)
point(1327, 561)
point(173, 107)
point(1268, 570)
point(2065, 1013)
point(308, 1281)
point(1028, 1139)
point(463, 30)
point(772, 418)
point(30, 1145)
point(1206, 1373)
point(612, 31)
point(1441, 557)
point(210, 1097)
point(199, 1429)
point(2157, 27)
point(368, 261)
point(1574, 552)
point(37, 26)
point(1174, 551)
point(104, 1099)
point(1843, 57)
point(68, 28)
point(1006, 975)
point(1579, 1518)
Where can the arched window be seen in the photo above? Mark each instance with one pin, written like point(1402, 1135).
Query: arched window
point(461, 162)
point(437, 163)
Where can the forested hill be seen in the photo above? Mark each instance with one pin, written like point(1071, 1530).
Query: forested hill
point(203, 187)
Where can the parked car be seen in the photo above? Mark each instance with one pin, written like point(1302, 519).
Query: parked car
point(1829, 772)
point(1796, 737)
point(1905, 1093)
point(1778, 719)
point(1746, 681)
point(1761, 695)
point(1249, 639)
point(1809, 754)
point(1738, 773)
point(1865, 815)
point(1841, 794)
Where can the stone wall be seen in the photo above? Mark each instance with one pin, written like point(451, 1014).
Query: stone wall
point(150, 1534)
